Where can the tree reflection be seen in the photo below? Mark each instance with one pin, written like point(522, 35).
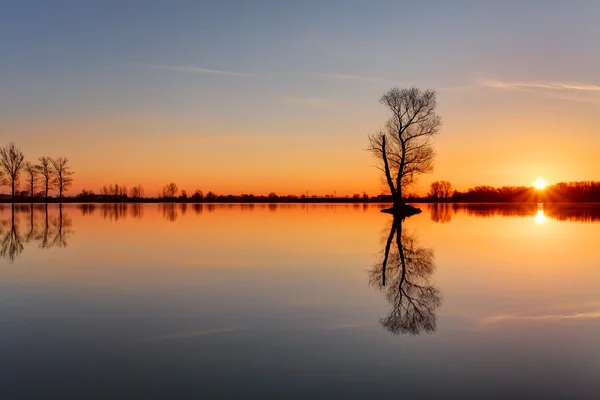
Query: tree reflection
point(440, 212)
point(404, 276)
point(62, 227)
point(11, 246)
point(169, 211)
point(52, 232)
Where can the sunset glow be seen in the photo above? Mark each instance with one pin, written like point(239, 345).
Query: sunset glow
point(191, 97)
point(540, 183)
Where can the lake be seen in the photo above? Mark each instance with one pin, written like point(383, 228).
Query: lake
point(299, 301)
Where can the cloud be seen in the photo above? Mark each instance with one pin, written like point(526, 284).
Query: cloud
point(196, 70)
point(547, 85)
point(545, 317)
point(347, 77)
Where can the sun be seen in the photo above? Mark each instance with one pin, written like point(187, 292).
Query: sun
point(540, 183)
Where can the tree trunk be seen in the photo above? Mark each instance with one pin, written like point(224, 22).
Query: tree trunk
point(388, 175)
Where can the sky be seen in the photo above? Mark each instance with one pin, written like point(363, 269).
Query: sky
point(280, 96)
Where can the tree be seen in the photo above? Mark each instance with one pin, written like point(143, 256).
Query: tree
point(169, 191)
point(63, 175)
point(405, 145)
point(183, 196)
point(446, 189)
point(136, 192)
point(31, 172)
point(435, 190)
point(198, 195)
point(11, 160)
point(47, 173)
point(440, 190)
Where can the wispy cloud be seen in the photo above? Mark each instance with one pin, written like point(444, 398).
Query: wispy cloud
point(196, 70)
point(544, 317)
point(348, 77)
point(548, 85)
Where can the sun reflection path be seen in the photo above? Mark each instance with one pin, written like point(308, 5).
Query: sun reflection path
point(540, 218)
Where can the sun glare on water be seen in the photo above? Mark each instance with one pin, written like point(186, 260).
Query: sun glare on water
point(540, 183)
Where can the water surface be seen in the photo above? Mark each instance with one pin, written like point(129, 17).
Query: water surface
point(298, 301)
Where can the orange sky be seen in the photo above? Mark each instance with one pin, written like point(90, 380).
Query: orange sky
point(490, 136)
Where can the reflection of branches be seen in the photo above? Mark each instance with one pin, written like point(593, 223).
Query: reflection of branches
point(137, 211)
point(11, 245)
point(440, 212)
point(31, 234)
point(169, 211)
point(114, 211)
point(53, 232)
point(62, 229)
point(87, 209)
point(404, 276)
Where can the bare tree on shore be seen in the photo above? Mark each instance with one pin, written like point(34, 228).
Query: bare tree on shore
point(440, 190)
point(11, 160)
point(31, 172)
point(63, 175)
point(46, 173)
point(136, 192)
point(169, 191)
point(405, 145)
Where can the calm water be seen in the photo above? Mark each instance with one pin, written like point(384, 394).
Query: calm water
point(299, 301)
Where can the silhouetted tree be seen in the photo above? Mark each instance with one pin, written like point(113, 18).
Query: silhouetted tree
point(31, 172)
point(11, 160)
point(183, 196)
point(197, 196)
point(440, 190)
point(210, 196)
point(46, 173)
point(404, 275)
point(405, 145)
point(169, 191)
point(63, 175)
point(136, 192)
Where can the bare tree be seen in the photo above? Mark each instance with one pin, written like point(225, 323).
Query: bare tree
point(63, 175)
point(405, 145)
point(136, 192)
point(31, 171)
point(47, 173)
point(169, 191)
point(435, 190)
point(11, 160)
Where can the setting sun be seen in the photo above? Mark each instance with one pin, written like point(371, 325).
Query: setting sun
point(540, 183)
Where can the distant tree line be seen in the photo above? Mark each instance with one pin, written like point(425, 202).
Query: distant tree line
point(171, 193)
point(441, 191)
point(40, 178)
